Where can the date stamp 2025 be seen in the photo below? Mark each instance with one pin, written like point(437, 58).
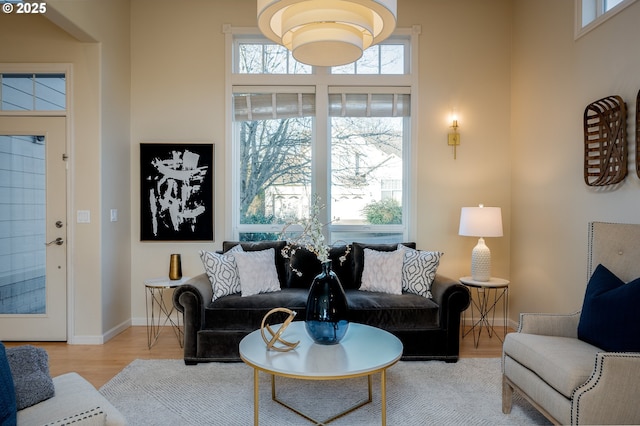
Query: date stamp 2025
point(23, 7)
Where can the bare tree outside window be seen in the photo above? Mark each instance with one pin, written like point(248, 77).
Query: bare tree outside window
point(275, 168)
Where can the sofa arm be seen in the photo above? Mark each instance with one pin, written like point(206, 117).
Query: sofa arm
point(611, 394)
point(452, 297)
point(561, 325)
point(191, 298)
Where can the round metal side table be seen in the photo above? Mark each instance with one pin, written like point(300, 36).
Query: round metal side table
point(487, 296)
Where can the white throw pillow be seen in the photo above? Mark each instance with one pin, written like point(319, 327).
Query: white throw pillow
point(419, 270)
point(382, 271)
point(222, 272)
point(257, 270)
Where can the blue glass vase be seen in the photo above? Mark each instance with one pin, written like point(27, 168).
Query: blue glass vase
point(327, 316)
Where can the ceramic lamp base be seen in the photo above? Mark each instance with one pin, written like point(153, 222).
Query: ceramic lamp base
point(481, 262)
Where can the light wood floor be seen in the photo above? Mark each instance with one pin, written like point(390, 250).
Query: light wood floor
point(99, 363)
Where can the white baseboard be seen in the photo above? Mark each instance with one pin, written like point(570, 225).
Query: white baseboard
point(139, 321)
point(498, 322)
point(99, 340)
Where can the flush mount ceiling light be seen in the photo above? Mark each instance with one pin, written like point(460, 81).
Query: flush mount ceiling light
point(327, 32)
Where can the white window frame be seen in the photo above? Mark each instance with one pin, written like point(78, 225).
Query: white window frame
point(41, 68)
point(600, 15)
point(322, 79)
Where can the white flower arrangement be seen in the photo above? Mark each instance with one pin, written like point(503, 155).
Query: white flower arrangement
point(311, 237)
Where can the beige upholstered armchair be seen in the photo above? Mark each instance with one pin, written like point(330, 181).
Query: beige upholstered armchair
point(569, 380)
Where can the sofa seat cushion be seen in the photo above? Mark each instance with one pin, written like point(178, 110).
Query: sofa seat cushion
point(404, 311)
point(563, 362)
point(234, 312)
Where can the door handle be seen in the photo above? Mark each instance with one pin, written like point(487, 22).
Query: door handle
point(58, 241)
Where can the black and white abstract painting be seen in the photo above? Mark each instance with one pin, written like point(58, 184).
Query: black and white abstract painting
point(177, 191)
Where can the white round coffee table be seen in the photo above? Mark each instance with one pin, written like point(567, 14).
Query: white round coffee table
point(363, 351)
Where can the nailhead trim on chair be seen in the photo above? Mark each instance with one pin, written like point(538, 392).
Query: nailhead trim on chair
point(598, 367)
point(575, 402)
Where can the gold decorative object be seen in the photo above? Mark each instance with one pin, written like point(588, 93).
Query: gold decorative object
point(605, 141)
point(276, 336)
point(175, 267)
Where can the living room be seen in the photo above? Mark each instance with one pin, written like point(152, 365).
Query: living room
point(512, 69)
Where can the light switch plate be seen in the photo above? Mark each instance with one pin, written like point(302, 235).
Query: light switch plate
point(84, 216)
point(114, 215)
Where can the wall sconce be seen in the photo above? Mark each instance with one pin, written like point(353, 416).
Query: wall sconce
point(454, 138)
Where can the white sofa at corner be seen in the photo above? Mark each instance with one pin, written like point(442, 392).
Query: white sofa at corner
point(76, 402)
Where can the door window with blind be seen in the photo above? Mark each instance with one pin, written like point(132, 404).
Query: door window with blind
point(330, 136)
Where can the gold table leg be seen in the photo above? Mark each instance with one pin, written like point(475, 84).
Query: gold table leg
point(347, 411)
point(383, 395)
point(256, 406)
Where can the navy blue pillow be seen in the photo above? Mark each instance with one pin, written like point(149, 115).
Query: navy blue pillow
point(610, 317)
point(7, 391)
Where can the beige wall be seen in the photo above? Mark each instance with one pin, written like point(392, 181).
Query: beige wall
point(108, 24)
point(178, 95)
point(554, 78)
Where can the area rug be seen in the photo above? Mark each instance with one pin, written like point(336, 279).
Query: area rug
point(167, 392)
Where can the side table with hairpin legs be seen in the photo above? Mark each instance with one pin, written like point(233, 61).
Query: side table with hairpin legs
point(158, 312)
point(487, 296)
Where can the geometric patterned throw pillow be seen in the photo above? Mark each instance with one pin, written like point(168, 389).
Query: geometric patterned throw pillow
point(222, 272)
point(419, 270)
point(382, 271)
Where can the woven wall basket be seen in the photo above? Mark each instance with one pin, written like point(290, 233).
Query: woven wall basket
point(605, 141)
point(638, 134)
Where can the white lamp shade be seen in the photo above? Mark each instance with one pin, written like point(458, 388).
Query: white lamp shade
point(481, 222)
point(327, 32)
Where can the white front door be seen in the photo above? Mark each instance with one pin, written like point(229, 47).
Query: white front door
point(33, 229)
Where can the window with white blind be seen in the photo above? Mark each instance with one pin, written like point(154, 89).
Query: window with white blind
point(301, 131)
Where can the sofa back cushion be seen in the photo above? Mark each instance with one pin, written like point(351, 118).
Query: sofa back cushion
point(349, 272)
point(303, 267)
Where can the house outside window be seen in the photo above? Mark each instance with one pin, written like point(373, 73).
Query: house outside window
point(341, 133)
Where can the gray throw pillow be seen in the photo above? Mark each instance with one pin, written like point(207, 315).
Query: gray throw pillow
point(30, 370)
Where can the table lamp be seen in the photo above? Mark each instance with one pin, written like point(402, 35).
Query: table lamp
point(481, 222)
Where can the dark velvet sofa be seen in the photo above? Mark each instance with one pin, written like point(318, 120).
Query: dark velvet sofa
point(428, 328)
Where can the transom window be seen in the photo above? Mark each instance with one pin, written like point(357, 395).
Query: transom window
point(591, 13)
point(320, 131)
point(256, 55)
point(32, 92)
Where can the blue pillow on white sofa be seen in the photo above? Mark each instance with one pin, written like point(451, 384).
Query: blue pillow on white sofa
point(7, 391)
point(610, 318)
